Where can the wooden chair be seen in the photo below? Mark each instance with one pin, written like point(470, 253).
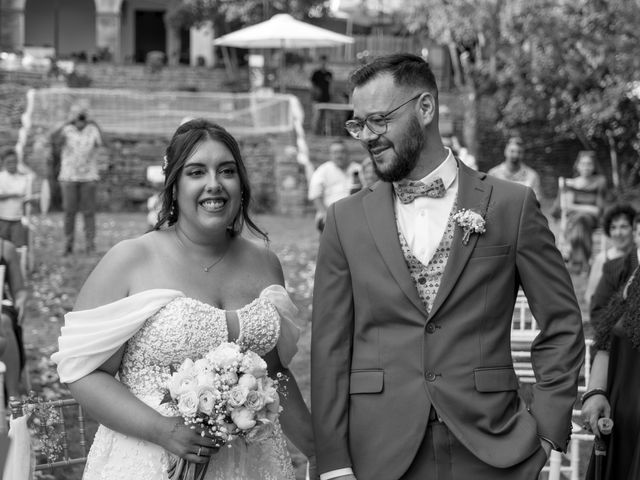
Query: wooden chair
point(67, 412)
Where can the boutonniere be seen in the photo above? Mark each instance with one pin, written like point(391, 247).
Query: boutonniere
point(470, 222)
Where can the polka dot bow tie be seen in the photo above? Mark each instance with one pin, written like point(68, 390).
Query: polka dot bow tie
point(408, 191)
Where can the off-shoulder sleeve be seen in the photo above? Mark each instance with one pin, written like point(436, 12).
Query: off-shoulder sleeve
point(289, 330)
point(90, 337)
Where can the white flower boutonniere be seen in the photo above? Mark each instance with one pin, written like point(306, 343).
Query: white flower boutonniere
point(470, 222)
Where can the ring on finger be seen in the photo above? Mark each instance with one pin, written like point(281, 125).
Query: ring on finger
point(199, 451)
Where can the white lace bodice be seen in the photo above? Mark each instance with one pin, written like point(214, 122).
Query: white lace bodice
point(179, 327)
point(189, 328)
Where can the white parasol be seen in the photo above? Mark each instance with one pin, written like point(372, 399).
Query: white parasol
point(283, 32)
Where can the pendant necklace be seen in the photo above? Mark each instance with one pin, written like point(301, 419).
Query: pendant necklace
point(209, 267)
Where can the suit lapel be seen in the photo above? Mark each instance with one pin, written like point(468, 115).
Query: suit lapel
point(473, 194)
point(380, 215)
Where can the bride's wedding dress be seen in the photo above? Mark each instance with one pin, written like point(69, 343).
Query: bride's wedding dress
point(161, 328)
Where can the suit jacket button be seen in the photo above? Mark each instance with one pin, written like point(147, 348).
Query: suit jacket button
point(430, 376)
point(431, 327)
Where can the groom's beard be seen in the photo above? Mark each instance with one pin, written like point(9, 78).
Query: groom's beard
point(406, 154)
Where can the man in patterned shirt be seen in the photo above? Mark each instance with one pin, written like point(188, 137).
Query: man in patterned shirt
point(79, 176)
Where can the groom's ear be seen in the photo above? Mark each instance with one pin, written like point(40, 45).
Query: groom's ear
point(427, 108)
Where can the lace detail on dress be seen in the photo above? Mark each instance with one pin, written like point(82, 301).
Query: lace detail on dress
point(259, 326)
point(184, 328)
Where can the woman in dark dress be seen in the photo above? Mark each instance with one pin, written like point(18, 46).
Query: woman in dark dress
point(614, 389)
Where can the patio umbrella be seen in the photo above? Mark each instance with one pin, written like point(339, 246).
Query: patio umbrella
point(283, 32)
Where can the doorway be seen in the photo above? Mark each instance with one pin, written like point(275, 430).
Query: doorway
point(150, 34)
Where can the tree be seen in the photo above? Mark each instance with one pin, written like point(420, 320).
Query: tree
point(569, 69)
point(229, 15)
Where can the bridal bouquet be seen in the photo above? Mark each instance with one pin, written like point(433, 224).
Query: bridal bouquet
point(228, 395)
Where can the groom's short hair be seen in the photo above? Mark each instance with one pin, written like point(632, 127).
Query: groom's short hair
point(406, 69)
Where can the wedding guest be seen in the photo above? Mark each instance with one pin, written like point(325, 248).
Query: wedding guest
point(415, 286)
point(176, 292)
point(332, 180)
point(584, 203)
point(321, 92)
point(78, 176)
point(14, 192)
point(13, 308)
point(514, 169)
point(615, 273)
point(618, 228)
point(613, 391)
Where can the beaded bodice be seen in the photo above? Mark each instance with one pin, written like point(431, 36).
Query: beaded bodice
point(189, 328)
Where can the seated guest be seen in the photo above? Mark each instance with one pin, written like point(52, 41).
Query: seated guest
point(584, 202)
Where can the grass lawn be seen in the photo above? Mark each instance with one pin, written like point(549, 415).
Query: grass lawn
point(56, 280)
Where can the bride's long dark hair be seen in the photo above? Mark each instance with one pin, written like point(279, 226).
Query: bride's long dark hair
point(184, 140)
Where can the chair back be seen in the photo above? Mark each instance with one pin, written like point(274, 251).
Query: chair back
point(62, 422)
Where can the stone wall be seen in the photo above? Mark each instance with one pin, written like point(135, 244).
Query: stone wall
point(278, 183)
point(169, 78)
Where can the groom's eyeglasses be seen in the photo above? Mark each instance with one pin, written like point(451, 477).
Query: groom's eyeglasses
point(376, 122)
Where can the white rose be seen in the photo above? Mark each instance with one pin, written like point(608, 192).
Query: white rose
point(270, 392)
point(202, 365)
point(226, 354)
point(253, 364)
point(187, 365)
point(188, 403)
point(237, 396)
point(255, 401)
point(248, 381)
point(181, 381)
point(229, 378)
point(206, 399)
point(243, 418)
point(272, 409)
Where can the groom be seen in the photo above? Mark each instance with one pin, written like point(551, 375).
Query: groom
point(411, 370)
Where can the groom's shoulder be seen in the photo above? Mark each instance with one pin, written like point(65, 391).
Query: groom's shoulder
point(502, 187)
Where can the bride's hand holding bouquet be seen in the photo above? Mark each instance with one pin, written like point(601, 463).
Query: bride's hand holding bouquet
point(226, 395)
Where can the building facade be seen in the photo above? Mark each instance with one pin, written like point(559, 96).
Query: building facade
point(123, 31)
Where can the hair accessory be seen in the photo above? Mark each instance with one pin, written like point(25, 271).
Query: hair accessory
point(165, 163)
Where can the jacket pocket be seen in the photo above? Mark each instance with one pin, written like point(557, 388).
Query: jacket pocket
point(495, 379)
point(366, 381)
point(490, 251)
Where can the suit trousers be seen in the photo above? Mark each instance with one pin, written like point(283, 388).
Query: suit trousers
point(442, 457)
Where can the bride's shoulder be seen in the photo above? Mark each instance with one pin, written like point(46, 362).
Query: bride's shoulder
point(262, 260)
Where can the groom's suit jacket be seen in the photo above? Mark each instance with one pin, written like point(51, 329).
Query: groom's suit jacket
point(379, 361)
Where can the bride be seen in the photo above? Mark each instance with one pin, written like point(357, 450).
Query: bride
point(178, 291)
